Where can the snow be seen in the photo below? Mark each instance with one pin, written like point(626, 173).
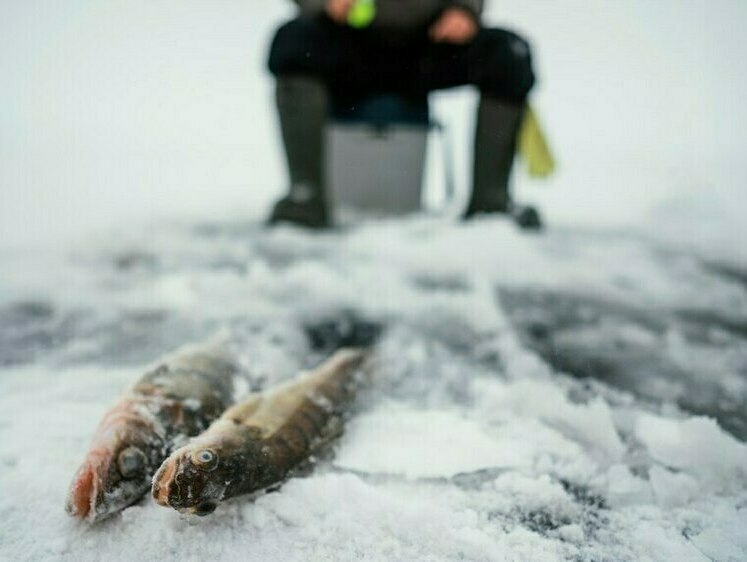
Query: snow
point(576, 395)
point(423, 444)
point(695, 445)
point(469, 442)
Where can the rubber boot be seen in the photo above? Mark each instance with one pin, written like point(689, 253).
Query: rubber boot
point(302, 109)
point(496, 133)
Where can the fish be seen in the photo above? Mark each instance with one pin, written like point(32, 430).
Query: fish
point(177, 399)
point(259, 442)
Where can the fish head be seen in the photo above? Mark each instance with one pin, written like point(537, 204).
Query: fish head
point(115, 473)
point(194, 479)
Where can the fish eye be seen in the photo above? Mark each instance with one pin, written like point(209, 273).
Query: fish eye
point(131, 462)
point(205, 459)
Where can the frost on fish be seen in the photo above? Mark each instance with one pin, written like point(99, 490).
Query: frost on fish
point(177, 399)
point(257, 443)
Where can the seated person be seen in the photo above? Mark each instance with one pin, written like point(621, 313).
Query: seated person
point(411, 48)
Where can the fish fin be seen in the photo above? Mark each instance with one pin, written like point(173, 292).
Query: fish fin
point(321, 449)
point(242, 411)
point(332, 430)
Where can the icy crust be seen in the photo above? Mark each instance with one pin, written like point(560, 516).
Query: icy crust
point(466, 444)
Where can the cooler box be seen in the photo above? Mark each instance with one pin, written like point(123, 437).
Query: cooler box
point(376, 155)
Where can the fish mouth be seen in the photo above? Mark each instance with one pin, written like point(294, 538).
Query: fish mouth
point(200, 510)
point(162, 482)
point(169, 487)
point(178, 484)
point(85, 494)
point(87, 490)
point(91, 498)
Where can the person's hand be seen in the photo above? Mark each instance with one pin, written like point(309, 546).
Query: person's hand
point(455, 25)
point(338, 10)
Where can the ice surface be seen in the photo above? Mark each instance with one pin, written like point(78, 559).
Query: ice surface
point(470, 442)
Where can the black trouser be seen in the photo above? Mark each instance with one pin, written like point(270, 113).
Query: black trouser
point(316, 57)
point(359, 62)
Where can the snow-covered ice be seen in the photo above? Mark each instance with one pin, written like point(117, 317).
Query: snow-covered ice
point(471, 442)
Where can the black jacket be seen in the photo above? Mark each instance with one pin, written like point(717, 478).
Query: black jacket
point(403, 14)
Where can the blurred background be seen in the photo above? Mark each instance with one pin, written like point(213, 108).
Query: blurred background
point(120, 112)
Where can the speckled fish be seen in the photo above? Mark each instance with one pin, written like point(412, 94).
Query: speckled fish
point(176, 400)
point(257, 443)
